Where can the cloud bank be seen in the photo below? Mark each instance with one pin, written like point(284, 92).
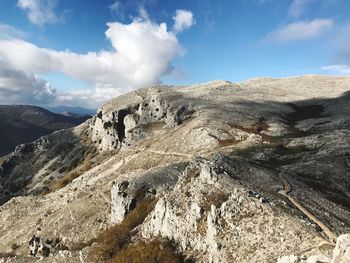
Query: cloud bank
point(298, 31)
point(23, 88)
point(142, 53)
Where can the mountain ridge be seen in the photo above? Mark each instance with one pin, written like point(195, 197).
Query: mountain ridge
point(25, 123)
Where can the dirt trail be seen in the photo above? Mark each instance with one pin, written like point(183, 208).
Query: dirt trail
point(287, 188)
point(171, 153)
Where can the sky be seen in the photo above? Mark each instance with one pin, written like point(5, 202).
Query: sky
point(83, 53)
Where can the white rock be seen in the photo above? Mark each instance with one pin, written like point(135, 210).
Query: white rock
point(288, 259)
point(341, 253)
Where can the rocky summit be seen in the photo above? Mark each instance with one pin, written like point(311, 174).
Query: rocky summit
point(257, 171)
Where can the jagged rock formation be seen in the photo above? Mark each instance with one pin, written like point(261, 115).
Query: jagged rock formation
point(247, 172)
point(134, 114)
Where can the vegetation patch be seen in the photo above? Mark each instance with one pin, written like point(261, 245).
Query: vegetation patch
point(81, 245)
point(7, 254)
point(216, 199)
point(75, 173)
point(114, 239)
point(153, 251)
point(14, 246)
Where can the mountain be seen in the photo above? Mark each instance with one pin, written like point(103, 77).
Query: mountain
point(23, 123)
point(256, 171)
point(73, 115)
point(73, 110)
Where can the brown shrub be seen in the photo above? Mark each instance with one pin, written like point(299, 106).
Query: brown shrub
point(149, 252)
point(63, 181)
point(7, 254)
point(14, 246)
point(215, 198)
point(113, 239)
point(80, 245)
point(70, 176)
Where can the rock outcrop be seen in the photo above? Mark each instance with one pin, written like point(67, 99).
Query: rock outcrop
point(211, 214)
point(111, 129)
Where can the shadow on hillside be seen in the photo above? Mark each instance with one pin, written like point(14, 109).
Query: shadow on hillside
point(24, 124)
point(322, 162)
point(33, 166)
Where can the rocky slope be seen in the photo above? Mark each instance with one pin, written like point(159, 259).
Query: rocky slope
point(23, 123)
point(257, 171)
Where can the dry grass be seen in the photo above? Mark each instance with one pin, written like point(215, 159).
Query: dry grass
point(7, 254)
point(70, 176)
point(115, 238)
point(80, 245)
point(14, 246)
point(149, 252)
point(216, 199)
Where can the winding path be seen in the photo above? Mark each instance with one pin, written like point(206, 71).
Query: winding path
point(287, 188)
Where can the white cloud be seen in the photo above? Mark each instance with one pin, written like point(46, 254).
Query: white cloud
point(39, 12)
point(298, 7)
point(143, 13)
point(142, 53)
point(91, 97)
point(9, 32)
point(183, 20)
point(23, 88)
point(341, 69)
point(303, 30)
point(115, 7)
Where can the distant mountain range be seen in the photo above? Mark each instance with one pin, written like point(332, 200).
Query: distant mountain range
point(22, 123)
point(72, 110)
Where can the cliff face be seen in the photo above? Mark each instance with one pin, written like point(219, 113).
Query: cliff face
point(247, 172)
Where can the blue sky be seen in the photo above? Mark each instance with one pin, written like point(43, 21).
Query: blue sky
point(60, 52)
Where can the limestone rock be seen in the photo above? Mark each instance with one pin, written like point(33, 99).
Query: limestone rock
point(122, 201)
point(341, 253)
point(288, 259)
